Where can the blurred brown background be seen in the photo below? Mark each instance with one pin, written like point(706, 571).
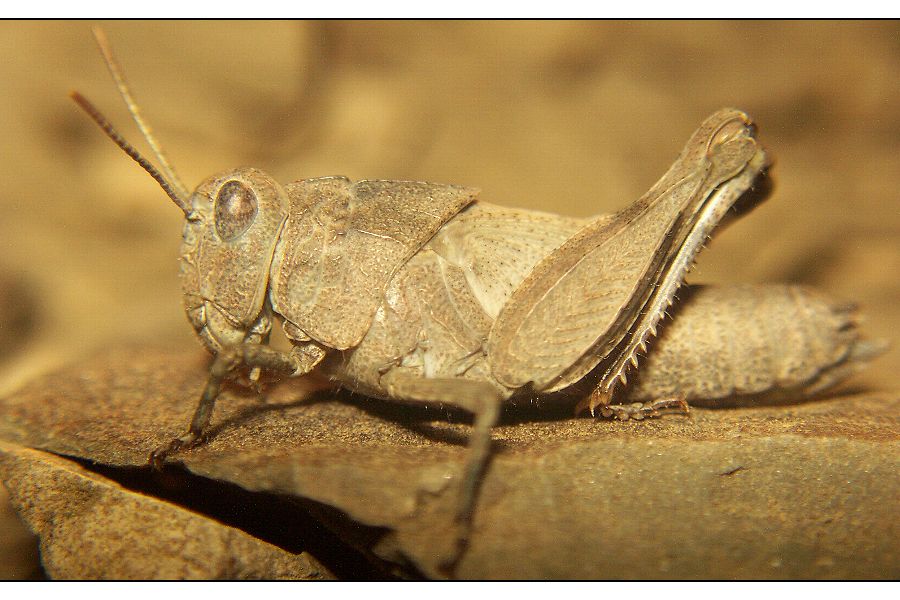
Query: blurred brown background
point(578, 118)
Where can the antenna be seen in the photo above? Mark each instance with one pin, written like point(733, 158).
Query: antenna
point(118, 75)
point(110, 131)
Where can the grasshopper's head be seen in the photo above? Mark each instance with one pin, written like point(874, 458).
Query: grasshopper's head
point(231, 229)
point(233, 221)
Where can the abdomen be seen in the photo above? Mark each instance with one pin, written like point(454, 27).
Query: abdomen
point(750, 343)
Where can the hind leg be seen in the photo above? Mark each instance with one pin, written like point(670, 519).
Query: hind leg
point(637, 411)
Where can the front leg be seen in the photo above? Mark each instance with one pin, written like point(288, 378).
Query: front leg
point(226, 363)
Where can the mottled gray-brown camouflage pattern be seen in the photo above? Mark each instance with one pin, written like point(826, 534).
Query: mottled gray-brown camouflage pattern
point(421, 292)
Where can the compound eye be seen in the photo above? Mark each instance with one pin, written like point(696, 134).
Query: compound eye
point(236, 208)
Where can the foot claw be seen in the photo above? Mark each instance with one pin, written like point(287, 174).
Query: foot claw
point(158, 457)
point(644, 410)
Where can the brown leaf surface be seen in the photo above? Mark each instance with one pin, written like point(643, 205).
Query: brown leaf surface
point(777, 492)
point(92, 528)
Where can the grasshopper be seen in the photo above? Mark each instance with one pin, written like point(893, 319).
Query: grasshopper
point(422, 293)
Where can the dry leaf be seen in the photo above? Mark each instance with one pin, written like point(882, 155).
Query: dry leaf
point(93, 528)
point(773, 492)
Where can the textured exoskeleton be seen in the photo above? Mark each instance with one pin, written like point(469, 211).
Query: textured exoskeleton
point(420, 292)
